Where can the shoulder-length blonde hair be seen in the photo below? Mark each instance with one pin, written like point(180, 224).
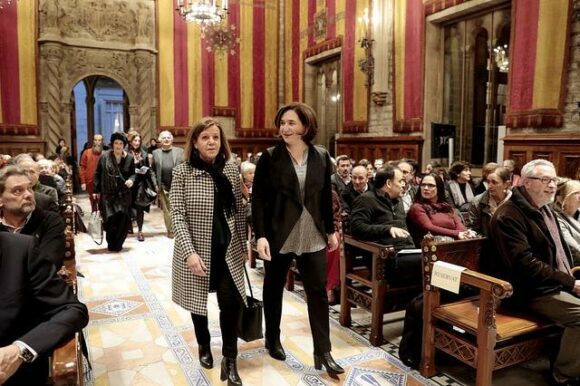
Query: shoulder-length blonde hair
point(190, 152)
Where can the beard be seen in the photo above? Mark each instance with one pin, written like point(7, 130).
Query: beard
point(97, 149)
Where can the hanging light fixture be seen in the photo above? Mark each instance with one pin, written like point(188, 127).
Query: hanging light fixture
point(5, 2)
point(204, 12)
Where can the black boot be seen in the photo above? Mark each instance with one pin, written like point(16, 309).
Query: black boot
point(332, 368)
point(230, 372)
point(205, 357)
point(275, 349)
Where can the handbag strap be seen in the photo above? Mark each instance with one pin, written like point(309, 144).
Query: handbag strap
point(248, 279)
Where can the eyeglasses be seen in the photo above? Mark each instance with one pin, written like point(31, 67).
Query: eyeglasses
point(546, 180)
point(428, 186)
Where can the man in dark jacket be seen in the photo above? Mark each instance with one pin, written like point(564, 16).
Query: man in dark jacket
point(39, 312)
point(18, 214)
point(378, 214)
point(535, 260)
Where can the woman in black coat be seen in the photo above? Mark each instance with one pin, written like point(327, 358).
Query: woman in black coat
point(114, 177)
point(292, 215)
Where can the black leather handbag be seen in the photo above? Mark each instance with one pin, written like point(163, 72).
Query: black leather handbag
point(250, 327)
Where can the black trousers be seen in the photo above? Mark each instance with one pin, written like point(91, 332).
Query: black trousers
point(116, 229)
point(312, 267)
point(230, 304)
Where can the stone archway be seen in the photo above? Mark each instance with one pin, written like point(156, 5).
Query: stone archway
point(114, 38)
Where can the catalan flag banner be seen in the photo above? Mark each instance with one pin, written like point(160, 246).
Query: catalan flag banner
point(409, 31)
point(539, 58)
point(314, 26)
point(18, 101)
point(195, 81)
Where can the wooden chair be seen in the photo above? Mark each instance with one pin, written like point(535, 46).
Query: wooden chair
point(368, 286)
point(66, 360)
point(491, 337)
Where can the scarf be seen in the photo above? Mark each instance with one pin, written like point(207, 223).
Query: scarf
point(222, 184)
point(458, 198)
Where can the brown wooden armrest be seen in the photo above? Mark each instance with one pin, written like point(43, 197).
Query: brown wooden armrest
point(383, 251)
point(66, 360)
point(499, 288)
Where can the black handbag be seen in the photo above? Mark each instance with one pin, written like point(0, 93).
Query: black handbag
point(250, 327)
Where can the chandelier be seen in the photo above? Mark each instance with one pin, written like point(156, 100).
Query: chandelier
point(8, 2)
point(501, 58)
point(204, 12)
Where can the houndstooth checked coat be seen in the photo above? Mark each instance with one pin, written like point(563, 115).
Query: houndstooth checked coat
point(192, 199)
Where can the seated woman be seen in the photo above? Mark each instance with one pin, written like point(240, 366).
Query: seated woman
point(483, 207)
point(566, 207)
point(460, 188)
point(482, 185)
point(432, 213)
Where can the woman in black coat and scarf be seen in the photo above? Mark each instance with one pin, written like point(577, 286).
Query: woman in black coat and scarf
point(292, 215)
point(114, 177)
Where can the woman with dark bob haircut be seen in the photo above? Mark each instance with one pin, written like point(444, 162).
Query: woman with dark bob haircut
point(460, 188)
point(292, 215)
point(210, 234)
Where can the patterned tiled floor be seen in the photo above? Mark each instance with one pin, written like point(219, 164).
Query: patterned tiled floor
point(138, 336)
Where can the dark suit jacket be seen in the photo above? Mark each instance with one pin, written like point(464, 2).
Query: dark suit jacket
point(45, 202)
point(276, 199)
point(48, 229)
point(38, 308)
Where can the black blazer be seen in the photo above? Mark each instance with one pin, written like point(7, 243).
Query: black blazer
point(38, 307)
point(276, 199)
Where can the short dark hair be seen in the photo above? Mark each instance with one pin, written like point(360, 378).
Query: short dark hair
point(342, 158)
point(439, 183)
point(118, 135)
point(383, 175)
point(457, 167)
point(190, 152)
point(306, 115)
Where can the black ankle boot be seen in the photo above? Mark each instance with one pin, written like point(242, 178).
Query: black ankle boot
point(230, 372)
point(332, 368)
point(275, 349)
point(205, 357)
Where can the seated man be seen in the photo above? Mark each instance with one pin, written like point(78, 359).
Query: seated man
point(18, 214)
point(535, 260)
point(44, 314)
point(378, 214)
point(359, 185)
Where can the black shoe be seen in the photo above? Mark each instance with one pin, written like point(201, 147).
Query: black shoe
point(205, 357)
point(332, 368)
point(276, 350)
point(230, 372)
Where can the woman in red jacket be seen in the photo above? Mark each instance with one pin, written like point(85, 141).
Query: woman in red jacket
point(431, 213)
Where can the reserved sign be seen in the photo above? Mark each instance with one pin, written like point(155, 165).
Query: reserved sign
point(446, 276)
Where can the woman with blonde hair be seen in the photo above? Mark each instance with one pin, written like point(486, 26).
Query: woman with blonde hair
point(566, 207)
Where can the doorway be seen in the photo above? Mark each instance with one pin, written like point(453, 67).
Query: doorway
point(100, 106)
point(475, 67)
point(323, 92)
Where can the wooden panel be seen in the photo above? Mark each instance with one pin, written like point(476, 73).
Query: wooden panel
point(243, 146)
point(14, 145)
point(388, 148)
point(561, 149)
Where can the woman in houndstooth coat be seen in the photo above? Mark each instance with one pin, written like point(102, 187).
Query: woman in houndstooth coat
point(210, 235)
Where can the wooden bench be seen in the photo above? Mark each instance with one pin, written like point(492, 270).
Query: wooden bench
point(493, 336)
point(367, 286)
point(66, 360)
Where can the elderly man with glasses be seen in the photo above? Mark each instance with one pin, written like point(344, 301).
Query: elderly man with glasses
point(536, 261)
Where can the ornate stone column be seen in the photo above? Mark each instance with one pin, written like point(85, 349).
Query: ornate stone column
point(51, 116)
point(145, 88)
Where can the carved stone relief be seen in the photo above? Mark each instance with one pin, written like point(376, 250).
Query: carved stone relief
point(99, 37)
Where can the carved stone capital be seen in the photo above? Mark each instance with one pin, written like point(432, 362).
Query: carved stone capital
point(51, 52)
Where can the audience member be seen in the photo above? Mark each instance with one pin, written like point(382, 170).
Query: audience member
point(536, 261)
point(359, 185)
point(460, 188)
point(18, 214)
point(89, 162)
point(484, 205)
point(30, 167)
point(41, 314)
point(114, 177)
point(164, 160)
point(566, 207)
point(410, 188)
point(431, 213)
point(378, 163)
point(61, 144)
point(515, 178)
point(482, 185)
point(341, 179)
point(48, 173)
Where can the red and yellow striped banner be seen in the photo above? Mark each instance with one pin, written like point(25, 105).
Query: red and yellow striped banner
point(193, 82)
point(538, 62)
point(409, 19)
point(18, 64)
